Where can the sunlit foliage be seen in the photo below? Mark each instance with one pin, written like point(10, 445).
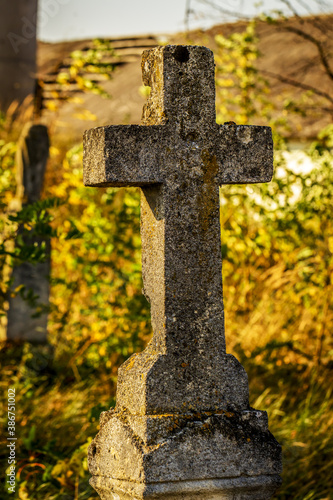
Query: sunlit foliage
point(277, 247)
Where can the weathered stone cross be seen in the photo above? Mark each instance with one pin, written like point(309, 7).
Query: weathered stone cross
point(179, 157)
point(179, 160)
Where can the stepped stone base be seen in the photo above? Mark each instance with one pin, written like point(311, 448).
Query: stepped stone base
point(211, 456)
point(243, 488)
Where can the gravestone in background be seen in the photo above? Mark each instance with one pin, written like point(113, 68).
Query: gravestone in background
point(31, 160)
point(182, 427)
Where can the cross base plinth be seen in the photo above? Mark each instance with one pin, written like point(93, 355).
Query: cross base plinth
point(211, 456)
point(240, 488)
point(150, 383)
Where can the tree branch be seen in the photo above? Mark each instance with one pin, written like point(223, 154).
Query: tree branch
point(315, 42)
point(222, 10)
point(295, 83)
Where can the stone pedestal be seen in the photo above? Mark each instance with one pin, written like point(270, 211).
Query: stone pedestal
point(223, 455)
point(183, 453)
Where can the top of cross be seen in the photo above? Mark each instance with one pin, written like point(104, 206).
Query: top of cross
point(182, 89)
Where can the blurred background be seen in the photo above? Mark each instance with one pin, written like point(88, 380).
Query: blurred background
point(71, 307)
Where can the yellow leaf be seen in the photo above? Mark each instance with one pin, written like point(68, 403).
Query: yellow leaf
point(144, 91)
point(330, 244)
point(86, 115)
point(23, 494)
point(102, 351)
point(51, 105)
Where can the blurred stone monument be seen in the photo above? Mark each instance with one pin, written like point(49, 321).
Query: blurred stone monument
point(24, 321)
point(182, 427)
point(18, 44)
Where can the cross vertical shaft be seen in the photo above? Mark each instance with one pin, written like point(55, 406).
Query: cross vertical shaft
point(185, 208)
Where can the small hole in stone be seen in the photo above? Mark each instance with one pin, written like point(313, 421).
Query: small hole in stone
point(192, 136)
point(181, 54)
point(93, 449)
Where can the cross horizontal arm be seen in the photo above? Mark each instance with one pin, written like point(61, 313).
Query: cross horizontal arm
point(121, 155)
point(245, 154)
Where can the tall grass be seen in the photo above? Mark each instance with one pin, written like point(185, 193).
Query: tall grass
point(278, 263)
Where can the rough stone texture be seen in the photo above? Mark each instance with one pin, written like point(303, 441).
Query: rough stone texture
point(31, 160)
point(183, 426)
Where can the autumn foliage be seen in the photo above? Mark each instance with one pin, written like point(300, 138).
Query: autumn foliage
point(277, 246)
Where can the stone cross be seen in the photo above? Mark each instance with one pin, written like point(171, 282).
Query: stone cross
point(179, 157)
